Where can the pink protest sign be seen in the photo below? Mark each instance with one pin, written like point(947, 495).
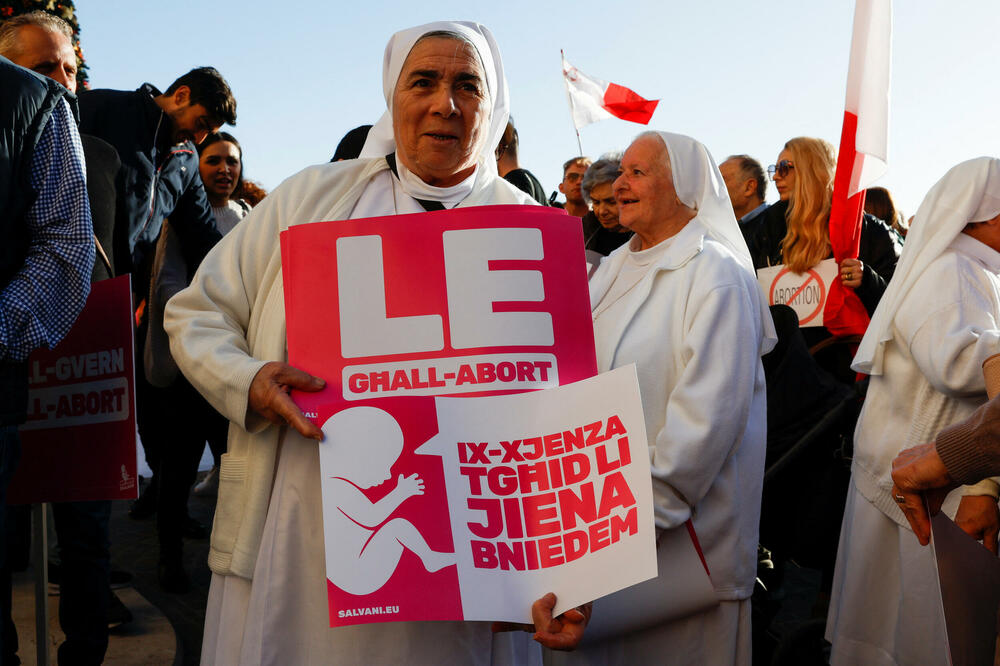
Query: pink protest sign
point(78, 443)
point(393, 312)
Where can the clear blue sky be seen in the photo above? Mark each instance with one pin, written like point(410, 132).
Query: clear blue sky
point(739, 76)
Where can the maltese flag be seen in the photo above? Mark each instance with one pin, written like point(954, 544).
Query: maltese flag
point(592, 99)
point(863, 155)
point(868, 92)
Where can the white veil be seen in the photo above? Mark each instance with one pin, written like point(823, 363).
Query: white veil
point(969, 192)
point(699, 185)
point(381, 141)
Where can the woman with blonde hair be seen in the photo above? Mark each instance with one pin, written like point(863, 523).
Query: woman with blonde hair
point(808, 183)
point(796, 230)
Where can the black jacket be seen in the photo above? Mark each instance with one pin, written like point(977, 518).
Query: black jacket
point(157, 179)
point(26, 104)
point(600, 240)
point(102, 172)
point(525, 181)
point(878, 251)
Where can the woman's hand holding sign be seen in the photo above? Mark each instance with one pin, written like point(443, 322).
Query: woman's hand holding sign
point(563, 632)
point(851, 272)
point(269, 396)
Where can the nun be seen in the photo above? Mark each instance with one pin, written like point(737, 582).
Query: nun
point(681, 301)
point(447, 105)
point(938, 320)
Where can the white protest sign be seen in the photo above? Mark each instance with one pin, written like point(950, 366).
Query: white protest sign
point(805, 293)
point(548, 491)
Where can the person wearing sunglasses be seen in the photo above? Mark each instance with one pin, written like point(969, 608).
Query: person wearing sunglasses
point(796, 232)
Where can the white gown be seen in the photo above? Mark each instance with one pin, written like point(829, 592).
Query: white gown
point(281, 616)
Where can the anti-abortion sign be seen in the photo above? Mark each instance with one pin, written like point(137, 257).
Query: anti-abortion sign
point(547, 492)
point(78, 442)
point(395, 312)
point(805, 293)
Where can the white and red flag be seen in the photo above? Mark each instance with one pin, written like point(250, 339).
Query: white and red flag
point(591, 99)
point(863, 154)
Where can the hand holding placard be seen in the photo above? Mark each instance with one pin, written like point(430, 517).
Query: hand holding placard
point(562, 632)
point(269, 397)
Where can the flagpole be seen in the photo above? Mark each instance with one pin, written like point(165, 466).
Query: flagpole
point(569, 98)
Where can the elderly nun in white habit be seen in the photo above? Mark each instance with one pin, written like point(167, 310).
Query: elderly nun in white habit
point(937, 322)
point(682, 302)
point(447, 106)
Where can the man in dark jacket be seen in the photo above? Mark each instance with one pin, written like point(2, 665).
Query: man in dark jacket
point(155, 135)
point(46, 255)
point(509, 167)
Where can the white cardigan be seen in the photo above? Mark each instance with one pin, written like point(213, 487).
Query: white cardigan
point(231, 321)
point(692, 327)
point(932, 373)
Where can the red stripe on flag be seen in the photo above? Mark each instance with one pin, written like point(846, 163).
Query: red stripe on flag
point(845, 214)
point(844, 313)
point(623, 103)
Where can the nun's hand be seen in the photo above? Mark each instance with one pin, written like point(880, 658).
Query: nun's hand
point(269, 396)
point(559, 633)
point(556, 633)
point(851, 272)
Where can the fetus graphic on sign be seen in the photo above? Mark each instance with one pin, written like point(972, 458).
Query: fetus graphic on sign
point(361, 444)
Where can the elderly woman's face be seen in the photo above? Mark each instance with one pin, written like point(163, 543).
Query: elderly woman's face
point(440, 110)
point(645, 189)
point(605, 207)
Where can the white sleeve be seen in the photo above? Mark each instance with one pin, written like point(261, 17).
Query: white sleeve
point(709, 406)
point(950, 342)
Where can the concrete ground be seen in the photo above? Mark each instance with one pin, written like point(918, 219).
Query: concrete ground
point(166, 628)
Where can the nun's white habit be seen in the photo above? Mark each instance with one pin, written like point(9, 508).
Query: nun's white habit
point(268, 603)
point(937, 322)
point(690, 314)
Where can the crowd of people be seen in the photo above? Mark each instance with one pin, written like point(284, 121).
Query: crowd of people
point(762, 433)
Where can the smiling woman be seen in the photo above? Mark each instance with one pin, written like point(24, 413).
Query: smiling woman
point(685, 281)
point(220, 162)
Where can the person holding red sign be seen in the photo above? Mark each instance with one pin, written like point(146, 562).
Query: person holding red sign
point(938, 321)
point(447, 104)
point(682, 303)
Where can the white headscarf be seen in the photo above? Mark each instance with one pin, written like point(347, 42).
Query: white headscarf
point(969, 192)
point(381, 141)
point(700, 186)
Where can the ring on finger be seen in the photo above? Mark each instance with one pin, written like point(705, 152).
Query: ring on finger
point(899, 498)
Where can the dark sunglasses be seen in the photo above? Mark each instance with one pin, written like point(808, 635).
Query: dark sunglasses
point(781, 168)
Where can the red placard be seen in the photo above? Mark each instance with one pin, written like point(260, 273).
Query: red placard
point(78, 443)
point(393, 311)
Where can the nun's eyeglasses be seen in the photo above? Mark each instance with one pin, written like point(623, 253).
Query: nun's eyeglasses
point(781, 168)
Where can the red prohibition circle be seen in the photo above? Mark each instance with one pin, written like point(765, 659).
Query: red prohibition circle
point(813, 275)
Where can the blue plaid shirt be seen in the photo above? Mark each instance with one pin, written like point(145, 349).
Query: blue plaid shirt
point(41, 302)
